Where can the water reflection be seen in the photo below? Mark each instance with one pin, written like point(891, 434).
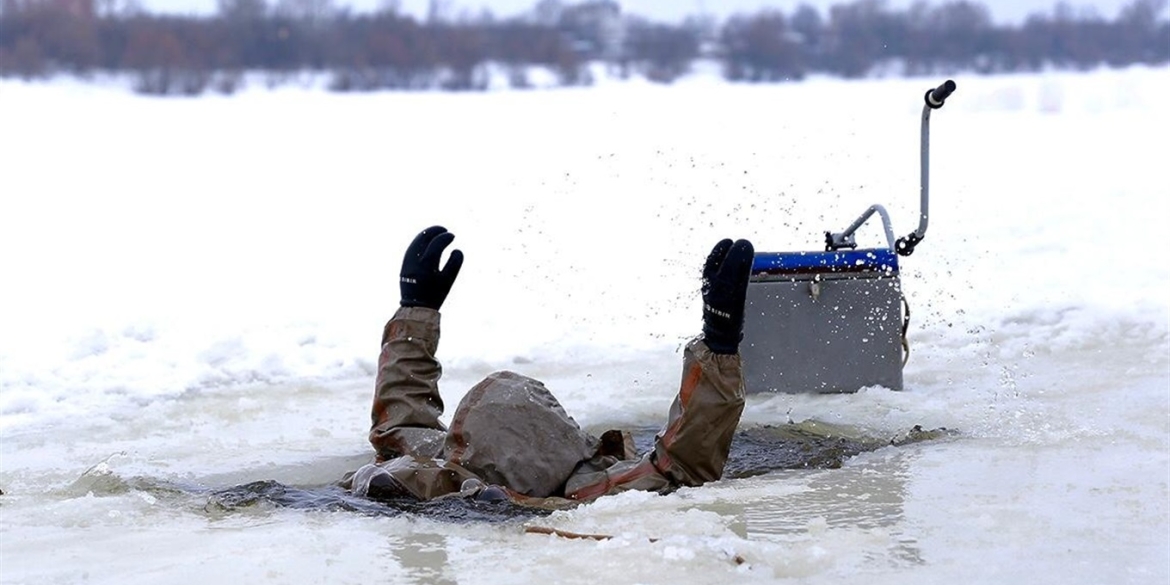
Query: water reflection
point(864, 496)
point(423, 557)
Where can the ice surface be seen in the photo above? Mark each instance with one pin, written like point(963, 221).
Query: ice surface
point(194, 290)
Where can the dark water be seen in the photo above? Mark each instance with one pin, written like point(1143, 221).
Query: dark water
point(754, 451)
point(332, 498)
point(807, 445)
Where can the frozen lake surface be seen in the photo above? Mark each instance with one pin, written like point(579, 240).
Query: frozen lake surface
point(194, 291)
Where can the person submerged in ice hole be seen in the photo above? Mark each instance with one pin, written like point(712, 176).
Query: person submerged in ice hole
point(509, 438)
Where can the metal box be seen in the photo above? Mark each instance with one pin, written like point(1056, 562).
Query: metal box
point(832, 321)
point(823, 322)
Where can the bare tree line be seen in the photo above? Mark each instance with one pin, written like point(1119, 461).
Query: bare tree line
point(391, 50)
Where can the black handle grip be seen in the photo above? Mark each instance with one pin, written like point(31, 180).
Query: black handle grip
point(905, 246)
point(935, 97)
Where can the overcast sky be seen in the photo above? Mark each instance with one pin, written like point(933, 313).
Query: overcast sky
point(670, 10)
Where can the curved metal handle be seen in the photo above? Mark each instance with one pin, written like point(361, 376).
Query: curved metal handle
point(935, 98)
point(845, 239)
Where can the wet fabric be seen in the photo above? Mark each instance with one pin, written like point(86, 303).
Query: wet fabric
point(509, 430)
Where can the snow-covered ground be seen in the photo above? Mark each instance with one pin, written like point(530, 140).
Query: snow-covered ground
point(192, 293)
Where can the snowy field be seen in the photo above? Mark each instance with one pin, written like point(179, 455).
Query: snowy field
point(192, 294)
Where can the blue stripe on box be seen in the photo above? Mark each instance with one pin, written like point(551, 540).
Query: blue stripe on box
point(882, 260)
